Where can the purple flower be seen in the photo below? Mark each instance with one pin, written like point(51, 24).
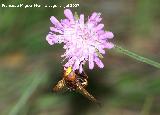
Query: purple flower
point(83, 41)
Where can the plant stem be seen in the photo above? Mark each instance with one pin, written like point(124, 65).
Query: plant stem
point(28, 92)
point(137, 57)
point(147, 105)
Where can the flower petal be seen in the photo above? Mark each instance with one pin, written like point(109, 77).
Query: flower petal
point(76, 65)
point(81, 21)
point(81, 18)
point(109, 45)
point(56, 30)
point(99, 62)
point(93, 16)
point(65, 23)
point(109, 35)
point(91, 63)
point(99, 27)
point(81, 68)
point(55, 22)
point(51, 39)
point(68, 14)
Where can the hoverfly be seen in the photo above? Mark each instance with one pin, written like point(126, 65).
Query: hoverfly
point(74, 81)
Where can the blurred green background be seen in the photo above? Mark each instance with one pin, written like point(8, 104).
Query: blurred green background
point(29, 67)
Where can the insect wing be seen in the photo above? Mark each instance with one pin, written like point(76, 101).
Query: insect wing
point(60, 86)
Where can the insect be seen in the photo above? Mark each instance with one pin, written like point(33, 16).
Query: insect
point(74, 81)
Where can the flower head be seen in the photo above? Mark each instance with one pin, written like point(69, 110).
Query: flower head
point(83, 41)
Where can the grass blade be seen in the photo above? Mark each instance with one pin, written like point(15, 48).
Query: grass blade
point(37, 80)
point(137, 57)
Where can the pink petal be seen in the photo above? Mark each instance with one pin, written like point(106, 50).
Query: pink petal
point(100, 32)
point(68, 14)
point(103, 36)
point(109, 35)
point(51, 39)
point(109, 45)
point(98, 18)
point(80, 68)
point(56, 30)
point(99, 27)
point(99, 62)
point(81, 19)
point(65, 22)
point(55, 22)
point(93, 16)
point(91, 63)
point(69, 63)
point(76, 65)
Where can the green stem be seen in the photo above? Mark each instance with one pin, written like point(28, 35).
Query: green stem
point(137, 57)
point(38, 79)
point(147, 105)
